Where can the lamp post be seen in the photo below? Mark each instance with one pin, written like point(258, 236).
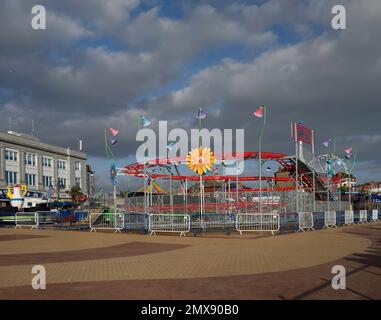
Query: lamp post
point(59, 187)
point(260, 156)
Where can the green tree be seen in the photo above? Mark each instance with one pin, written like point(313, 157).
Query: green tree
point(75, 193)
point(344, 188)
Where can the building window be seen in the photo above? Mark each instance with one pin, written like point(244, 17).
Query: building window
point(10, 155)
point(47, 162)
point(61, 164)
point(30, 179)
point(47, 181)
point(30, 160)
point(11, 177)
point(77, 166)
point(78, 182)
point(62, 182)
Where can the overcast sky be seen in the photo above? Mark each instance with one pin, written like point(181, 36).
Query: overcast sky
point(103, 63)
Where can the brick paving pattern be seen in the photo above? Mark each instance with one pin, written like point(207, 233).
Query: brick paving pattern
point(83, 265)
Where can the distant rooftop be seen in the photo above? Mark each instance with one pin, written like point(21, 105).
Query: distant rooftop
point(24, 135)
point(28, 140)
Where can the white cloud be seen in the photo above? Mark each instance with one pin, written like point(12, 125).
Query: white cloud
point(65, 26)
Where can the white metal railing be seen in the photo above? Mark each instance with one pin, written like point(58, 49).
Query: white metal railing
point(306, 221)
point(374, 215)
point(330, 219)
point(26, 219)
point(106, 221)
point(363, 216)
point(135, 221)
point(214, 221)
point(174, 223)
point(349, 217)
point(257, 222)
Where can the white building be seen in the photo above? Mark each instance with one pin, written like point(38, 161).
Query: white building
point(24, 159)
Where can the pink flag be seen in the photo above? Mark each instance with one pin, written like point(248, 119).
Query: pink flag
point(303, 134)
point(349, 150)
point(259, 113)
point(113, 131)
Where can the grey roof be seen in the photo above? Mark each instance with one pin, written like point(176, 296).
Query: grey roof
point(25, 140)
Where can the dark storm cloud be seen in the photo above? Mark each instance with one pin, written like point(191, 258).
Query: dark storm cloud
point(330, 83)
point(97, 58)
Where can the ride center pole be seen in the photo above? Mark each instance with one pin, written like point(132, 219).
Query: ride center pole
point(260, 156)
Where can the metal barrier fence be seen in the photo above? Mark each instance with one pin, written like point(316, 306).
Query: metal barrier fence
point(363, 216)
point(213, 221)
point(330, 219)
point(180, 223)
point(48, 217)
point(7, 218)
point(349, 217)
point(374, 215)
point(306, 221)
point(106, 221)
point(26, 219)
point(257, 222)
point(174, 223)
point(135, 221)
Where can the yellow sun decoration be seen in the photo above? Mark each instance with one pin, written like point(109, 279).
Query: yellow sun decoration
point(200, 160)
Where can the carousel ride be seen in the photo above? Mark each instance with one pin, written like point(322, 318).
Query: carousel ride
point(207, 191)
point(197, 183)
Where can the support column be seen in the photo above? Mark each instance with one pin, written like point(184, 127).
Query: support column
point(55, 176)
point(40, 182)
point(2, 165)
point(84, 173)
point(70, 172)
point(22, 167)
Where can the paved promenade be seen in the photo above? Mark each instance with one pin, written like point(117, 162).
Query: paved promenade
point(83, 265)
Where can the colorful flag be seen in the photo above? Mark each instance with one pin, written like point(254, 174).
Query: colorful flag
point(144, 122)
point(113, 131)
point(329, 168)
point(326, 143)
point(349, 151)
point(303, 134)
point(113, 174)
point(112, 141)
point(201, 114)
point(260, 112)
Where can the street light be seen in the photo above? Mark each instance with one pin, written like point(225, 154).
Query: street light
point(59, 187)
